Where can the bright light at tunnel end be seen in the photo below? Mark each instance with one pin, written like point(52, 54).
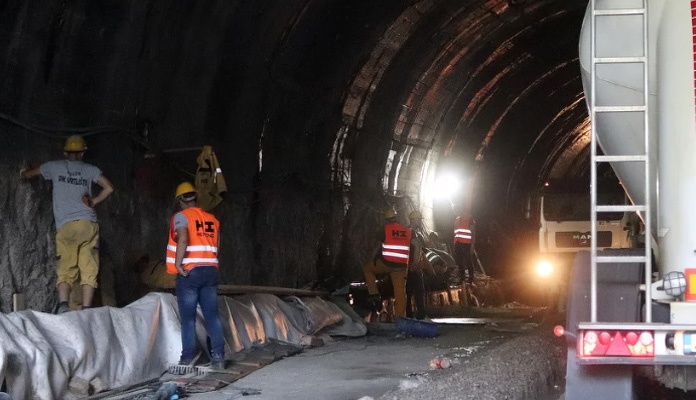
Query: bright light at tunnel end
point(446, 186)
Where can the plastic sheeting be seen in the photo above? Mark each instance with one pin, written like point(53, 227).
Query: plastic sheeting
point(40, 353)
point(250, 320)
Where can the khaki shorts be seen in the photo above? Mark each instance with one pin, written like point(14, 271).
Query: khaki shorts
point(77, 250)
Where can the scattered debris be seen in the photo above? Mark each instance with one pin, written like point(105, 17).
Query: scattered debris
point(312, 341)
point(97, 385)
point(467, 351)
point(79, 386)
point(204, 385)
point(512, 327)
point(515, 304)
point(202, 379)
point(245, 391)
point(119, 392)
point(440, 362)
point(406, 384)
point(166, 391)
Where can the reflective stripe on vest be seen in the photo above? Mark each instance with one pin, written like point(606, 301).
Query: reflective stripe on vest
point(397, 243)
point(202, 248)
point(431, 255)
point(462, 231)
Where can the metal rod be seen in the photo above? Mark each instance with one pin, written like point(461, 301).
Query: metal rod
point(648, 211)
point(593, 165)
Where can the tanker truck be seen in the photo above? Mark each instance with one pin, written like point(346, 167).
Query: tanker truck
point(633, 312)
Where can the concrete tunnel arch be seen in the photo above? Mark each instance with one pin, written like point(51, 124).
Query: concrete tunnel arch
point(441, 114)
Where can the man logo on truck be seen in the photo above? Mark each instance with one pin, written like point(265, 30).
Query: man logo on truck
point(582, 237)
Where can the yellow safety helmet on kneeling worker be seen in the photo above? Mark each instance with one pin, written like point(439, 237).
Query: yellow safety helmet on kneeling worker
point(415, 214)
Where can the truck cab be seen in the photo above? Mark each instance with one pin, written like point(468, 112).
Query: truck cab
point(565, 227)
point(564, 223)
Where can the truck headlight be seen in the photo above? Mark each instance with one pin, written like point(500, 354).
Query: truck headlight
point(544, 269)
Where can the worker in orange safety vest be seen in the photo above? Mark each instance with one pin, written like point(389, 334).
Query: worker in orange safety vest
point(463, 237)
point(192, 252)
point(392, 257)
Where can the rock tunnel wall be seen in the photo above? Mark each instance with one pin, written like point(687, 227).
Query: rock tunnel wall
point(140, 78)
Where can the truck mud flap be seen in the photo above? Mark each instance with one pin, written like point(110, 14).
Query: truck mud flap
point(619, 300)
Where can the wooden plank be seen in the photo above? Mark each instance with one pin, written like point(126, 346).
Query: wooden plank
point(129, 394)
point(123, 389)
point(245, 289)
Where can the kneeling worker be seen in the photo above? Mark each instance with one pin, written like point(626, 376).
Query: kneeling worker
point(393, 258)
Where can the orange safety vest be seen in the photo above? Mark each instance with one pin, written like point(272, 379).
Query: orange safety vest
point(203, 229)
point(397, 243)
point(462, 229)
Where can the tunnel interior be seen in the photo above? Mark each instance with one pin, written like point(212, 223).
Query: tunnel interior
point(323, 114)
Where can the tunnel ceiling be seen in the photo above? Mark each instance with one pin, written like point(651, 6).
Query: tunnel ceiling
point(489, 87)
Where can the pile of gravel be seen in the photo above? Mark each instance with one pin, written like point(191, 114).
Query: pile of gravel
point(526, 367)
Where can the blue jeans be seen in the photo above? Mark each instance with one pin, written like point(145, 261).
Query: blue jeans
point(199, 287)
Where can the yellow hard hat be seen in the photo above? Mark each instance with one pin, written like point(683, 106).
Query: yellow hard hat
point(389, 214)
point(75, 143)
point(184, 188)
point(415, 214)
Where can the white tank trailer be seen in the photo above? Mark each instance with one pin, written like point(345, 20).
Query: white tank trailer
point(604, 354)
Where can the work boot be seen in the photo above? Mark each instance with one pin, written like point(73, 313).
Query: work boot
point(217, 365)
point(63, 307)
point(186, 361)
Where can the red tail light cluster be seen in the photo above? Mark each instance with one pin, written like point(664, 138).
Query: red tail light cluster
point(617, 344)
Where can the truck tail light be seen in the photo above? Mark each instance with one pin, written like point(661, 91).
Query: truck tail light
point(617, 344)
point(690, 294)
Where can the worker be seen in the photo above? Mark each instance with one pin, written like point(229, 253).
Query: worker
point(192, 251)
point(420, 269)
point(463, 237)
point(77, 230)
point(391, 257)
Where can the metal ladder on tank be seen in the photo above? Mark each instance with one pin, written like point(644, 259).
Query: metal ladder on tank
point(635, 158)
